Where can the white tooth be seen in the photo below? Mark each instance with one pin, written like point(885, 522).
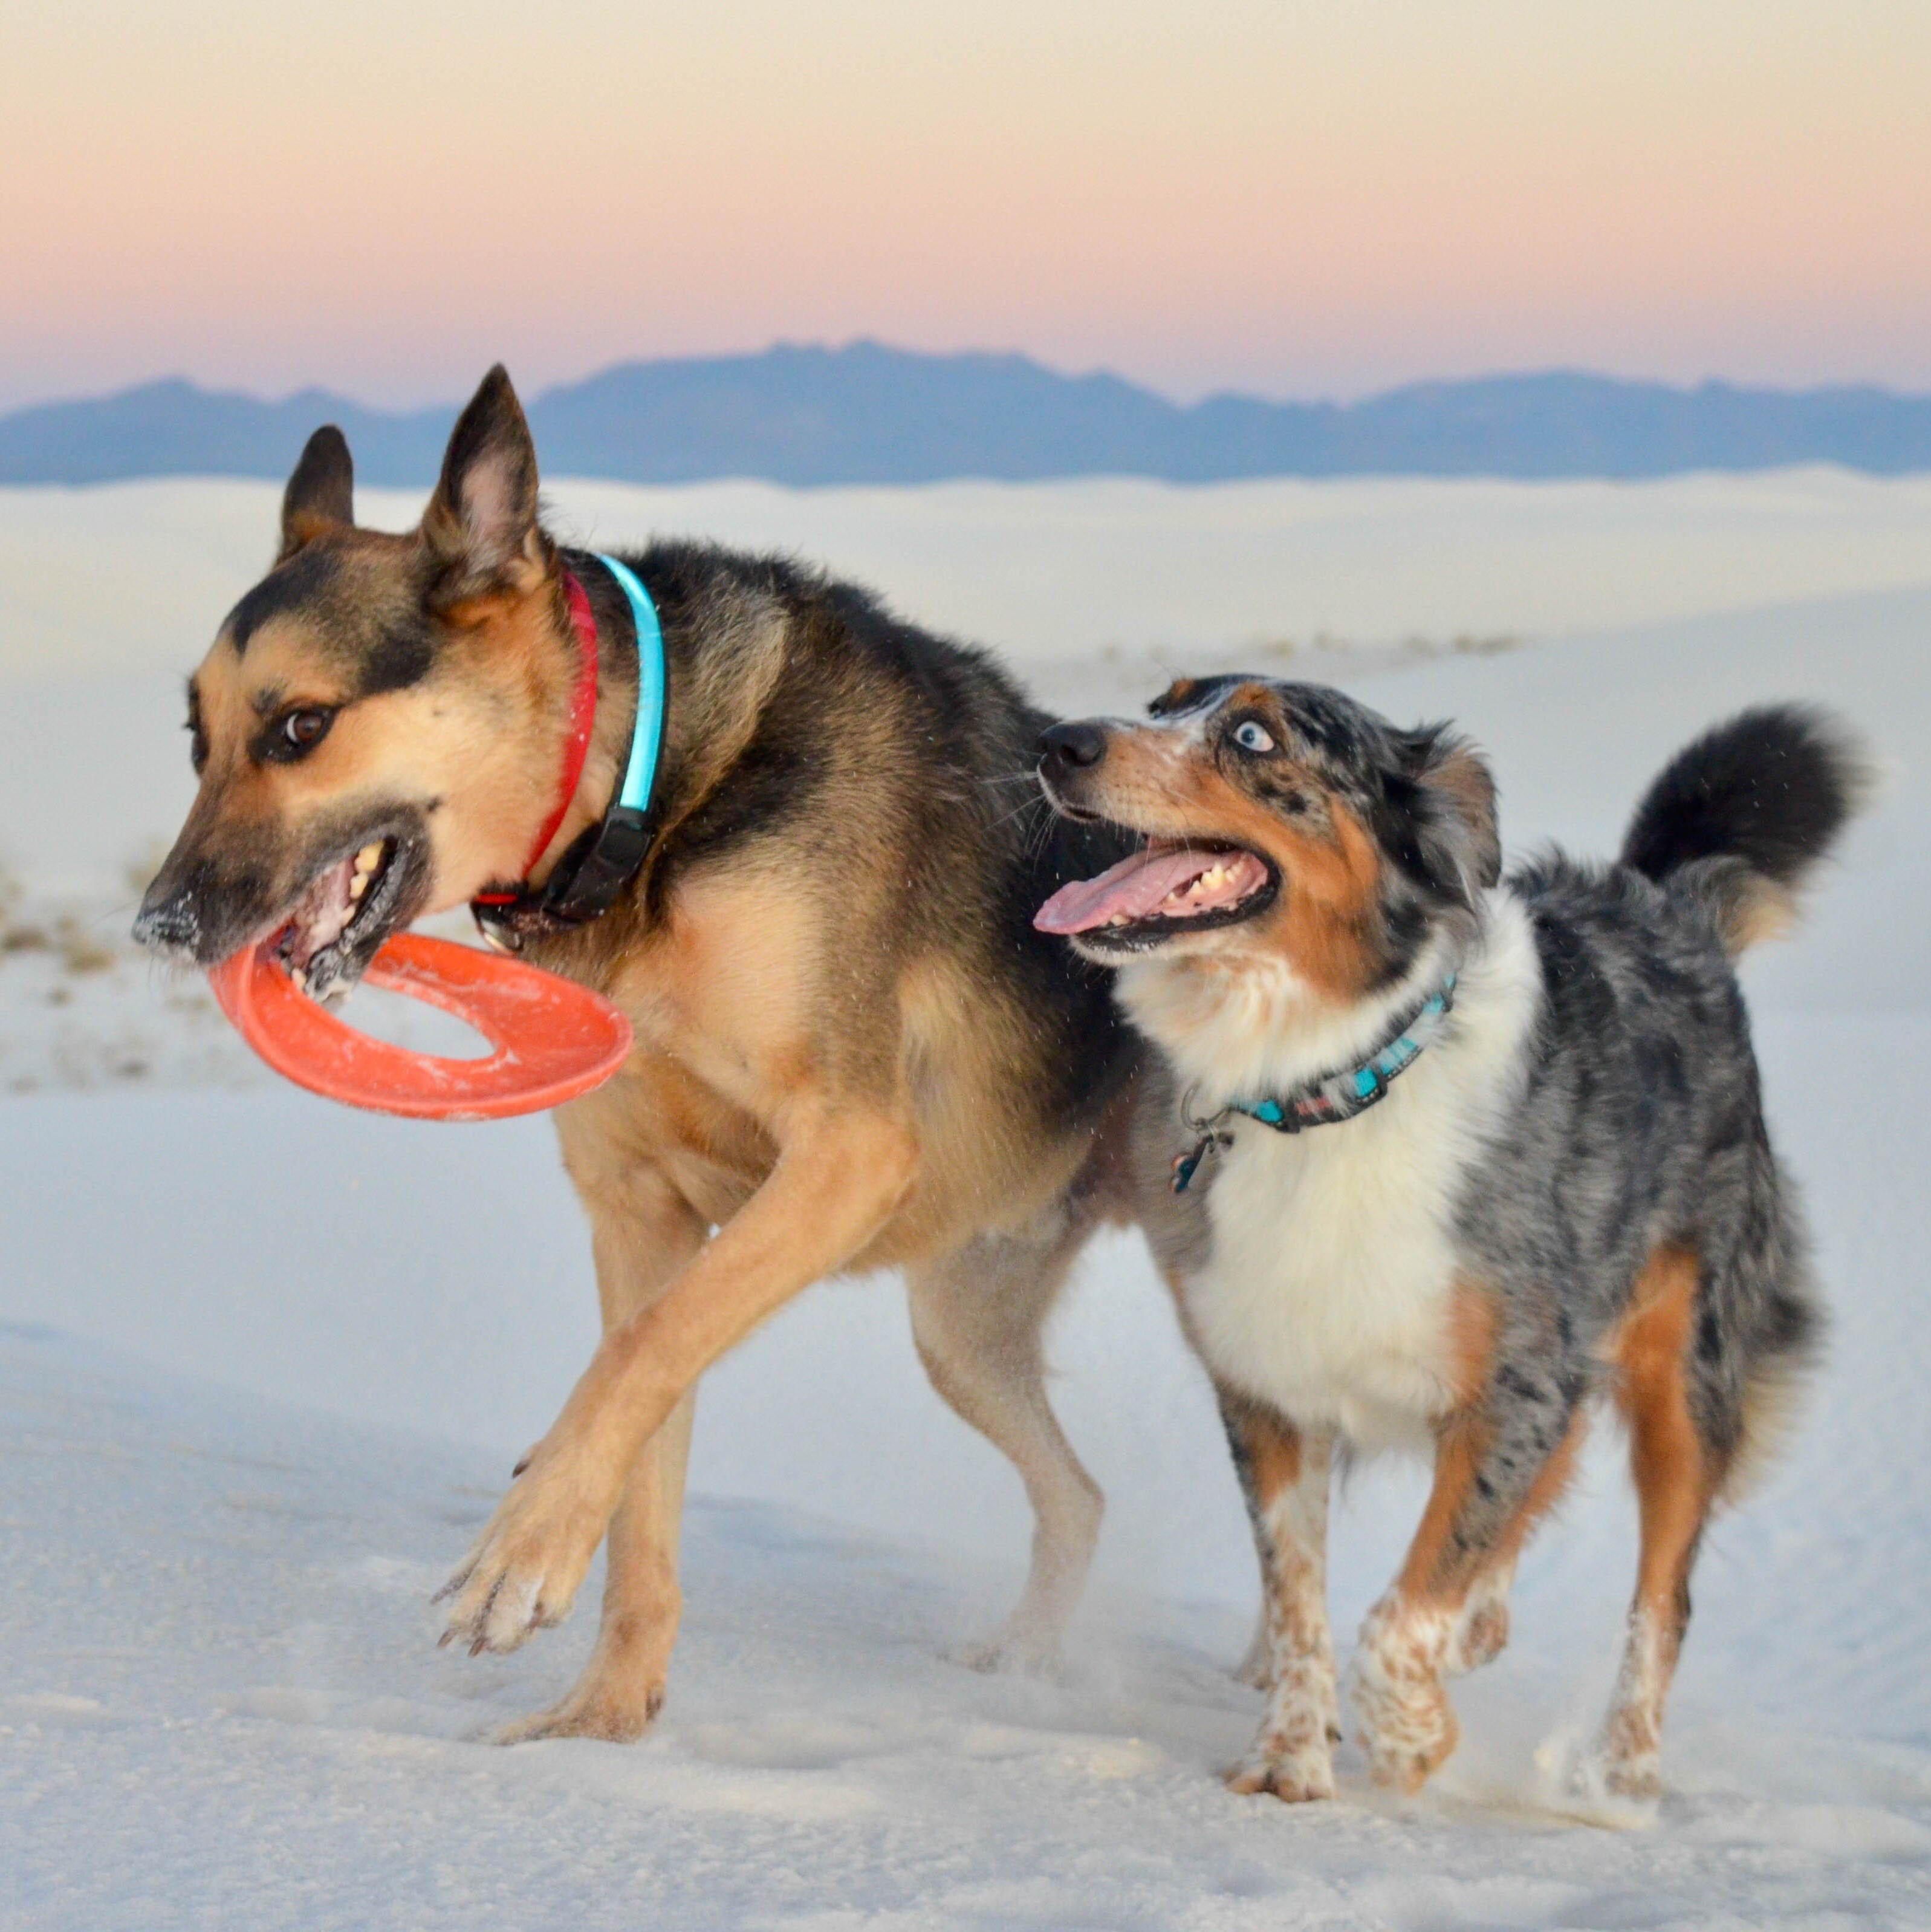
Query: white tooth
point(300, 976)
point(1118, 918)
point(358, 885)
point(370, 857)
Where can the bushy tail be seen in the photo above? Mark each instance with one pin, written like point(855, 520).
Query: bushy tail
point(1744, 815)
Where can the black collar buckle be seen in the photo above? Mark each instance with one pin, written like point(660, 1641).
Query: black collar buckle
point(583, 885)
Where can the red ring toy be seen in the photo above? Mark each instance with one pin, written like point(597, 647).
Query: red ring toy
point(553, 1040)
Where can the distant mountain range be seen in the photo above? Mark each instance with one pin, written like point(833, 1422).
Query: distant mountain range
point(869, 414)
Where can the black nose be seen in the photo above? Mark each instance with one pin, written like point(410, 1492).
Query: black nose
point(168, 922)
point(1067, 749)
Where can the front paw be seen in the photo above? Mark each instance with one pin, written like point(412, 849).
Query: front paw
point(1295, 1777)
point(1480, 1638)
point(1022, 1649)
point(1407, 1735)
point(589, 1712)
point(524, 1572)
point(1408, 1725)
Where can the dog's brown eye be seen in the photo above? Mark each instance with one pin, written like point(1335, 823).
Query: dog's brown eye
point(297, 732)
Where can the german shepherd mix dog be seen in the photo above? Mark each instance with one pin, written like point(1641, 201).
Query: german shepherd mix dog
point(1444, 1156)
point(853, 1051)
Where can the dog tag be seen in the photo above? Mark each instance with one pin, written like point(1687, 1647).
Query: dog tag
point(552, 1039)
point(1186, 1166)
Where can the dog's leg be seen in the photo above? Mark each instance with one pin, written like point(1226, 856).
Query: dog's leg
point(1256, 1667)
point(840, 1174)
point(1481, 1630)
point(644, 1233)
point(977, 1315)
point(1673, 1473)
point(621, 1689)
point(1285, 1473)
point(1498, 1468)
point(1254, 1663)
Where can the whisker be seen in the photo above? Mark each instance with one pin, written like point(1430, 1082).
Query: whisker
point(1042, 836)
point(1018, 811)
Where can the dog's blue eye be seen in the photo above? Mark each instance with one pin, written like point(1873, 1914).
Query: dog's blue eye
point(1251, 736)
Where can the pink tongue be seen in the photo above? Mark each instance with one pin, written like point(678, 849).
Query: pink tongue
point(1135, 887)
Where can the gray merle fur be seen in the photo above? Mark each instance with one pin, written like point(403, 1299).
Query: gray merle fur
point(1641, 1125)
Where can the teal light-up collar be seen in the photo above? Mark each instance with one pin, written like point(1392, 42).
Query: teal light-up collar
point(606, 857)
point(646, 736)
point(1329, 1099)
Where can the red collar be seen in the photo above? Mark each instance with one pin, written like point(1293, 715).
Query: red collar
point(576, 747)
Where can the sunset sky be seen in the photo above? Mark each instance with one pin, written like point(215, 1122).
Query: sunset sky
point(1295, 199)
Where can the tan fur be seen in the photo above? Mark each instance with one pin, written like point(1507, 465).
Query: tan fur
point(1287, 1477)
point(1273, 1453)
point(1774, 1402)
point(977, 1315)
point(1443, 1615)
point(1462, 775)
point(819, 1084)
point(1674, 1486)
point(1427, 1575)
point(1766, 911)
point(815, 1151)
point(1507, 1440)
point(644, 1233)
point(1546, 1493)
point(483, 742)
point(1157, 780)
point(1408, 1726)
point(1473, 1322)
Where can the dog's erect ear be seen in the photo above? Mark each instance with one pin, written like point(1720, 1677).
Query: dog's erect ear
point(481, 522)
point(1456, 839)
point(321, 494)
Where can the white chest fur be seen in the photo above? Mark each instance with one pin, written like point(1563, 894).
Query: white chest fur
point(1328, 1289)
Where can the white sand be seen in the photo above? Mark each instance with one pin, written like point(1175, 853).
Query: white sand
point(221, 1704)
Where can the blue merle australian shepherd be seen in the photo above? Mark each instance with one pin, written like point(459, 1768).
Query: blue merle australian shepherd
point(1446, 1155)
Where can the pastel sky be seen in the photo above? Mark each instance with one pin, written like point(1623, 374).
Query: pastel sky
point(1293, 199)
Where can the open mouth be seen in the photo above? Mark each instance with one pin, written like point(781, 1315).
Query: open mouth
point(337, 926)
point(1169, 888)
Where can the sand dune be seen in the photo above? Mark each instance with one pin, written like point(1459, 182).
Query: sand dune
point(221, 1700)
